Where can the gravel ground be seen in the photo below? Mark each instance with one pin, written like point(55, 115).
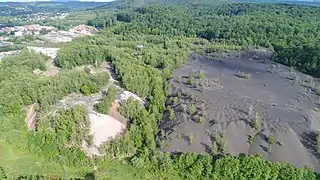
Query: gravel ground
point(238, 88)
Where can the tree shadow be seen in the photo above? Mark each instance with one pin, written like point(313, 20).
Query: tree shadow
point(90, 176)
point(264, 148)
point(186, 138)
point(279, 143)
point(263, 137)
point(240, 110)
point(23, 177)
point(212, 122)
point(246, 121)
point(206, 147)
point(309, 139)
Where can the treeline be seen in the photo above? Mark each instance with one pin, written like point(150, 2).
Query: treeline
point(283, 28)
point(26, 60)
point(131, 4)
point(74, 54)
point(103, 20)
point(10, 48)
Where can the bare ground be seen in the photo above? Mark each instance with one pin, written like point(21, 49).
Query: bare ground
point(219, 112)
point(32, 118)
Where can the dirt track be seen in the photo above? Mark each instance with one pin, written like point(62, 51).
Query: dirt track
point(283, 99)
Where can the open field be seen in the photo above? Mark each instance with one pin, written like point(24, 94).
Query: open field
point(243, 103)
point(18, 162)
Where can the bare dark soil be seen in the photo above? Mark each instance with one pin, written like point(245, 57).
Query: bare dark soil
point(245, 103)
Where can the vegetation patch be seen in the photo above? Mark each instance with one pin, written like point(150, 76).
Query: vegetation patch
point(104, 105)
point(242, 75)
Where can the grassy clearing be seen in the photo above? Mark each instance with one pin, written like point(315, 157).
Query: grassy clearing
point(114, 170)
point(17, 162)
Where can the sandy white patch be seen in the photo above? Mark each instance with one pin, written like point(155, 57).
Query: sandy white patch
point(103, 128)
point(125, 95)
point(51, 52)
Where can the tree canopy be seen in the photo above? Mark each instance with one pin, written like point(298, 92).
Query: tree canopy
point(144, 45)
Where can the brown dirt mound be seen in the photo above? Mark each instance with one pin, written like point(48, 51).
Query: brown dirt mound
point(31, 119)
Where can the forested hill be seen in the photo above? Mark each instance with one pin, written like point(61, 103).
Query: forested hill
point(309, 3)
point(290, 30)
point(122, 4)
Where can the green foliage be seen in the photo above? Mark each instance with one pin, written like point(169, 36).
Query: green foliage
point(25, 59)
point(21, 87)
point(270, 139)
point(63, 142)
point(77, 54)
point(202, 120)
point(250, 139)
point(318, 89)
point(85, 90)
point(257, 121)
point(90, 140)
point(171, 114)
point(175, 100)
point(167, 34)
point(10, 48)
point(2, 173)
point(179, 94)
point(103, 20)
point(192, 109)
point(201, 76)
point(104, 105)
point(191, 79)
point(318, 141)
point(238, 26)
point(71, 20)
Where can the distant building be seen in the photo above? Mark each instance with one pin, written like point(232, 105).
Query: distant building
point(140, 46)
point(82, 29)
point(18, 33)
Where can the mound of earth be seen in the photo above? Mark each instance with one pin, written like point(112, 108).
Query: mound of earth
point(243, 103)
point(103, 128)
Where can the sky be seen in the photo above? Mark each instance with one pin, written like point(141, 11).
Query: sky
point(53, 0)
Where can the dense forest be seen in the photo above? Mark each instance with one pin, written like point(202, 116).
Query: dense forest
point(144, 45)
point(290, 30)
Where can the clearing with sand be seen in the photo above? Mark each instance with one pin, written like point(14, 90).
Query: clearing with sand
point(104, 127)
point(52, 69)
point(243, 103)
